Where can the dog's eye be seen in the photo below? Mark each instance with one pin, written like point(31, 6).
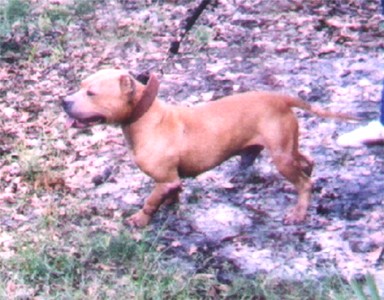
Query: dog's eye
point(90, 93)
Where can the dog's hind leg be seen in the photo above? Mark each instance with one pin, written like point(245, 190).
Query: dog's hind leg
point(290, 167)
point(306, 164)
point(294, 166)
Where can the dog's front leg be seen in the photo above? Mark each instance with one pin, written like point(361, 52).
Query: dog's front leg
point(161, 192)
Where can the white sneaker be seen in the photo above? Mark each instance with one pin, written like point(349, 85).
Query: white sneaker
point(369, 134)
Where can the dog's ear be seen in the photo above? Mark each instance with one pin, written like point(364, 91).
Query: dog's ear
point(152, 86)
point(127, 86)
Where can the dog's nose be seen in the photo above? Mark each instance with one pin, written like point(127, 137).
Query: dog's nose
point(67, 104)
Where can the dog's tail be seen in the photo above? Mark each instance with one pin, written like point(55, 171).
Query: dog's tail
point(323, 113)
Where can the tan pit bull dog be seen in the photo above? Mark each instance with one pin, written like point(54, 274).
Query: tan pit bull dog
point(170, 142)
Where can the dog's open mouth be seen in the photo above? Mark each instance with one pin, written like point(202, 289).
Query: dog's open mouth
point(83, 123)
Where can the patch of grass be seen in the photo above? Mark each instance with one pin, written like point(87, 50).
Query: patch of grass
point(135, 32)
point(366, 290)
point(140, 263)
point(39, 165)
point(58, 54)
point(50, 217)
point(58, 13)
point(30, 163)
point(96, 266)
point(118, 249)
point(45, 23)
point(332, 287)
point(44, 266)
point(45, 28)
point(201, 36)
point(84, 7)
point(15, 10)
point(11, 12)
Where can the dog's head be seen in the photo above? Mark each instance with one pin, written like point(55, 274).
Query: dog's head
point(109, 96)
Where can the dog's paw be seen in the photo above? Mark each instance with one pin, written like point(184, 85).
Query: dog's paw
point(139, 219)
point(295, 217)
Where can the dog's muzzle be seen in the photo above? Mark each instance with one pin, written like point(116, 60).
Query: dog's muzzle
point(77, 120)
point(67, 105)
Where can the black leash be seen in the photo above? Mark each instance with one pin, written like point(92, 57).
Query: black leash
point(380, 259)
point(175, 45)
point(382, 7)
point(189, 22)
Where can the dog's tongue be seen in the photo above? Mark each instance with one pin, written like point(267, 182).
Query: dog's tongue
point(69, 122)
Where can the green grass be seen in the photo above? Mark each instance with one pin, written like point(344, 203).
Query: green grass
point(203, 35)
point(46, 28)
point(15, 10)
point(84, 7)
point(89, 265)
point(11, 12)
point(30, 162)
point(46, 267)
point(371, 287)
point(38, 28)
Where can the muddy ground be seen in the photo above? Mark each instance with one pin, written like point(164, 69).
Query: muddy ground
point(328, 52)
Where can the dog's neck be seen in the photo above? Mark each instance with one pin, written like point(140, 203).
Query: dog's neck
point(148, 97)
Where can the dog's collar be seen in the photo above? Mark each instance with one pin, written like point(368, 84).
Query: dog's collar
point(149, 95)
